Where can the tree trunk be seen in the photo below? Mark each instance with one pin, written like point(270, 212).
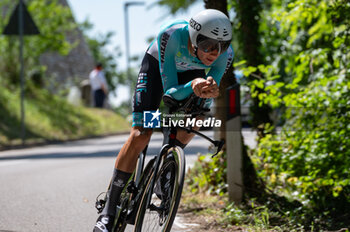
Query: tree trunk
point(251, 51)
point(220, 5)
point(227, 80)
point(248, 12)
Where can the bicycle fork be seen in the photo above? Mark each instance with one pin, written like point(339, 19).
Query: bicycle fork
point(163, 151)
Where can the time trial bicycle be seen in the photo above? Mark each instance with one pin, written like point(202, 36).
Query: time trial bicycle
point(152, 196)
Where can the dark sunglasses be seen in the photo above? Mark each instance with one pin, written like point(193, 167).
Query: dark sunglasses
point(208, 45)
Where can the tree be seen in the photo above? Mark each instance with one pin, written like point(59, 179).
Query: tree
point(98, 46)
point(248, 14)
point(310, 74)
point(53, 21)
point(228, 79)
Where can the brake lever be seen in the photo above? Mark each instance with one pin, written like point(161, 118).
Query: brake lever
point(219, 144)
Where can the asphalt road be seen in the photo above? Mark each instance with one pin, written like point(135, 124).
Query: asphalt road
point(54, 187)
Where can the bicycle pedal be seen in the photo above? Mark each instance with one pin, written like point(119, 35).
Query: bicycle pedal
point(99, 205)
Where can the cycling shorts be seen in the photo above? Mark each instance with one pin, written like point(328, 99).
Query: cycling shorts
point(149, 88)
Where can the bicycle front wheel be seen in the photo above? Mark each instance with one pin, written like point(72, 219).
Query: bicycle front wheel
point(128, 203)
point(165, 197)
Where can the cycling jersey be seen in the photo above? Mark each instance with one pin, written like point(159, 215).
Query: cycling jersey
point(169, 67)
point(171, 50)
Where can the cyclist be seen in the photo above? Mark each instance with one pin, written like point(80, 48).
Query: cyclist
point(175, 64)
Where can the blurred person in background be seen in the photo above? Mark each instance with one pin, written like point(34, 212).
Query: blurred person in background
point(98, 85)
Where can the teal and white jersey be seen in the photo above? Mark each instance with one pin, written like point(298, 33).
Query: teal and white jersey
point(170, 48)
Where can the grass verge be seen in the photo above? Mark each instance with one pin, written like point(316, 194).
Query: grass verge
point(215, 213)
point(51, 118)
point(205, 203)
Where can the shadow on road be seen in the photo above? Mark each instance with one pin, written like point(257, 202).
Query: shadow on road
point(191, 150)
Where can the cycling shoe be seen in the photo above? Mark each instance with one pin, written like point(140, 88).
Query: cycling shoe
point(104, 223)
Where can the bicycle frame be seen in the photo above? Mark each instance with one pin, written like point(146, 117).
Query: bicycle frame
point(169, 140)
point(140, 165)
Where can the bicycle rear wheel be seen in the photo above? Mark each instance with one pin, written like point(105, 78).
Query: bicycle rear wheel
point(165, 196)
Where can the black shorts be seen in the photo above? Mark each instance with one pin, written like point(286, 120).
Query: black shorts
point(149, 88)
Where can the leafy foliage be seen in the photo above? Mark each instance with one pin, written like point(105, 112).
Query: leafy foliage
point(305, 165)
point(53, 21)
point(99, 47)
point(308, 81)
point(175, 6)
point(209, 174)
point(308, 160)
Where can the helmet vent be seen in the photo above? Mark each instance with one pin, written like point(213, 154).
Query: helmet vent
point(225, 33)
point(215, 31)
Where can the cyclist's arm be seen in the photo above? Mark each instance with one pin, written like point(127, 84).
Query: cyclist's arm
point(218, 69)
point(168, 46)
point(180, 92)
point(221, 65)
point(169, 72)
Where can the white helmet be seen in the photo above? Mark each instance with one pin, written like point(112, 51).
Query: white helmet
point(210, 29)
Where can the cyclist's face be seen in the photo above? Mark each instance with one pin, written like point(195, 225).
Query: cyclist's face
point(208, 58)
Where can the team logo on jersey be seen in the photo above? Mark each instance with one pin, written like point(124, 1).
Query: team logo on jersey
point(195, 25)
point(163, 42)
point(151, 119)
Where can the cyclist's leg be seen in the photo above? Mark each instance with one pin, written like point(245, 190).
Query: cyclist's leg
point(125, 165)
point(183, 138)
point(144, 99)
point(147, 96)
point(137, 141)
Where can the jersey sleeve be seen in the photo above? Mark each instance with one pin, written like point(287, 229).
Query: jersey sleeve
point(168, 45)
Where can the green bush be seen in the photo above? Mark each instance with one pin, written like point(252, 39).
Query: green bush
point(209, 174)
point(310, 158)
point(305, 166)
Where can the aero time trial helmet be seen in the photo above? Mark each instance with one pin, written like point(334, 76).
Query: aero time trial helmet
point(210, 30)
